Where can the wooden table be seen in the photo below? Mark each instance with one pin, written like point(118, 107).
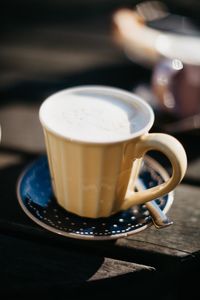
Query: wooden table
point(38, 60)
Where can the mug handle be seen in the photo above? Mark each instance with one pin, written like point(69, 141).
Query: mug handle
point(174, 151)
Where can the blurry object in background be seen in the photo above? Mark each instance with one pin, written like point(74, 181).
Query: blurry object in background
point(131, 33)
point(176, 84)
point(165, 121)
point(169, 45)
point(184, 125)
point(152, 10)
point(147, 45)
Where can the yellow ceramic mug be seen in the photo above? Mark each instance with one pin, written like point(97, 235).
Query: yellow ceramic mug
point(92, 175)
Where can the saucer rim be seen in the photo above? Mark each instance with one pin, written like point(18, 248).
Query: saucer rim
point(157, 166)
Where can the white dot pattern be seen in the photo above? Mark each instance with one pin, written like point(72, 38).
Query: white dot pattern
point(38, 199)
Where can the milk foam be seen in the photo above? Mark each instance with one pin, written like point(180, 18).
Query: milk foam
point(90, 117)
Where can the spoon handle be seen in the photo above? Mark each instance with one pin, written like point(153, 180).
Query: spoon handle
point(160, 220)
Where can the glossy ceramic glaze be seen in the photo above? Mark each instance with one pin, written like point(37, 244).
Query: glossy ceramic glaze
point(36, 198)
point(97, 179)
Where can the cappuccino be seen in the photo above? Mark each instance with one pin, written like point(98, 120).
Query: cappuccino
point(90, 117)
point(96, 138)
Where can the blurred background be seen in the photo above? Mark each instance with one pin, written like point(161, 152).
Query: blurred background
point(48, 45)
point(51, 45)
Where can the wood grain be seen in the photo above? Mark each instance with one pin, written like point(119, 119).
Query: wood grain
point(183, 237)
point(51, 53)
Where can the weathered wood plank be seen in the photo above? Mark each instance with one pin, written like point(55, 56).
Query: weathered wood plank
point(28, 263)
point(33, 260)
point(25, 131)
point(183, 237)
point(193, 171)
point(112, 268)
point(178, 241)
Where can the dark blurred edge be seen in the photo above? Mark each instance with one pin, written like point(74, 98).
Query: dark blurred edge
point(25, 12)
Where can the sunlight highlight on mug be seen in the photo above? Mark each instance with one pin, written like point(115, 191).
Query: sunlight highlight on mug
point(96, 138)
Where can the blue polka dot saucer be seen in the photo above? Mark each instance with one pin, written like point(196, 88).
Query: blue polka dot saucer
point(36, 199)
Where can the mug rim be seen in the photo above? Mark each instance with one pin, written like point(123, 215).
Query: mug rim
point(110, 91)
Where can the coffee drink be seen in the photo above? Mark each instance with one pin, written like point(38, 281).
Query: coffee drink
point(92, 117)
point(96, 138)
